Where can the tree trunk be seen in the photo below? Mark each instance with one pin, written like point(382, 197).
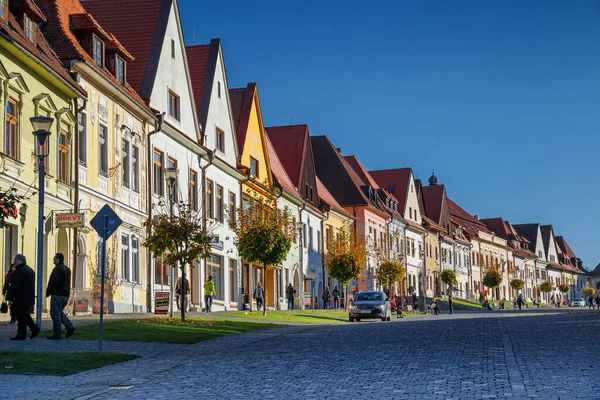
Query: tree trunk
point(345, 298)
point(265, 290)
point(183, 294)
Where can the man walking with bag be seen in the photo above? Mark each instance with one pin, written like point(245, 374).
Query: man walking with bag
point(22, 296)
point(59, 290)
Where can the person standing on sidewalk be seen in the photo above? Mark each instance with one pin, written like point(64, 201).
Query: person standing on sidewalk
point(59, 290)
point(22, 296)
point(258, 295)
point(336, 298)
point(451, 302)
point(6, 288)
point(289, 295)
point(326, 296)
point(520, 301)
point(209, 292)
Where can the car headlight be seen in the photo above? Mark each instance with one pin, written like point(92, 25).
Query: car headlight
point(380, 307)
point(353, 308)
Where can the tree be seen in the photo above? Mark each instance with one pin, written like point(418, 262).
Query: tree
point(264, 234)
point(448, 276)
point(391, 271)
point(492, 278)
point(546, 287)
point(181, 238)
point(563, 287)
point(346, 256)
point(588, 291)
point(517, 284)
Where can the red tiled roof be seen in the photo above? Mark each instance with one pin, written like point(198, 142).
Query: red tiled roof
point(28, 5)
point(431, 224)
point(415, 225)
point(596, 270)
point(565, 246)
point(458, 212)
point(197, 57)
point(433, 199)
point(59, 33)
point(400, 178)
point(497, 226)
point(279, 171)
point(361, 171)
point(241, 105)
point(328, 198)
point(290, 142)
point(136, 24)
point(41, 49)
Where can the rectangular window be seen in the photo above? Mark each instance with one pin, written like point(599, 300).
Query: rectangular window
point(220, 204)
point(98, 53)
point(219, 89)
point(125, 257)
point(410, 212)
point(232, 210)
point(310, 238)
point(213, 268)
point(82, 138)
point(135, 260)
point(63, 157)
point(172, 164)
point(157, 176)
point(173, 105)
point(3, 11)
point(162, 272)
point(11, 135)
point(220, 140)
point(193, 190)
point(135, 168)
point(28, 27)
point(120, 70)
point(319, 241)
point(209, 199)
point(172, 48)
point(233, 282)
point(103, 144)
point(254, 167)
point(125, 162)
point(328, 237)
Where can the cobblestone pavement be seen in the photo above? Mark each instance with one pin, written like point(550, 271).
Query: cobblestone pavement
point(549, 354)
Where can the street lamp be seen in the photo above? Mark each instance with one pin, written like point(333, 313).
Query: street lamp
point(41, 131)
point(171, 178)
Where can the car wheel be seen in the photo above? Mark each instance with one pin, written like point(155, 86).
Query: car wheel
point(358, 319)
point(389, 318)
point(351, 319)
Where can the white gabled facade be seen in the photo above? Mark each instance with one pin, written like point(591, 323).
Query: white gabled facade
point(414, 252)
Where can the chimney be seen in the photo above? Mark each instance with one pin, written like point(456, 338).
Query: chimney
point(339, 149)
point(476, 217)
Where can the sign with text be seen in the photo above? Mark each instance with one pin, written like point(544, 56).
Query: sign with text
point(161, 302)
point(69, 220)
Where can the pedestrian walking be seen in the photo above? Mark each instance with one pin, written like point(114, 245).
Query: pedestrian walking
point(434, 306)
point(336, 298)
point(186, 293)
point(598, 302)
point(258, 295)
point(398, 306)
point(22, 296)
point(5, 289)
point(520, 301)
point(326, 297)
point(209, 292)
point(289, 295)
point(59, 290)
point(591, 301)
point(415, 300)
point(451, 302)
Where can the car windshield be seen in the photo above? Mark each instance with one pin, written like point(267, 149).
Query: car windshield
point(369, 297)
point(578, 299)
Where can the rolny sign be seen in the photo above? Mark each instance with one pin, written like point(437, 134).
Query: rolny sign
point(69, 220)
point(161, 302)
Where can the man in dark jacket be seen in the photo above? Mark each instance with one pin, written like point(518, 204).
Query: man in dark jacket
point(59, 289)
point(22, 296)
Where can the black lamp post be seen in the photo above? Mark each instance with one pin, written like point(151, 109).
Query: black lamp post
point(171, 178)
point(41, 131)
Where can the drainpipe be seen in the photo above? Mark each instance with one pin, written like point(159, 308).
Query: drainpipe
point(277, 275)
point(322, 244)
point(211, 158)
point(76, 194)
point(389, 242)
point(241, 286)
point(425, 234)
point(301, 247)
point(150, 284)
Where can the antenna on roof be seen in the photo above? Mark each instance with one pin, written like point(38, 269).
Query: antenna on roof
point(291, 120)
point(404, 162)
point(194, 35)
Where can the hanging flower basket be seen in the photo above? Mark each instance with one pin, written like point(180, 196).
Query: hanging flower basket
point(9, 202)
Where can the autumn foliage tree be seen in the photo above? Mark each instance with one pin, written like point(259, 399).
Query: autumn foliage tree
point(546, 287)
point(264, 234)
point(588, 291)
point(448, 276)
point(182, 238)
point(391, 271)
point(517, 284)
point(563, 287)
point(492, 278)
point(346, 256)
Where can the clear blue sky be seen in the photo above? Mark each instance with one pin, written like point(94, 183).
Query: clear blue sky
point(501, 98)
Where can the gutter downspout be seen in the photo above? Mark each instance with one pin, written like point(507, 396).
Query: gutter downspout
point(277, 275)
point(389, 242)
point(301, 247)
point(76, 194)
point(425, 234)
point(211, 158)
point(150, 284)
point(240, 305)
point(322, 244)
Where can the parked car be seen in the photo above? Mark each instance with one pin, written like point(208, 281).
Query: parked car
point(579, 302)
point(370, 305)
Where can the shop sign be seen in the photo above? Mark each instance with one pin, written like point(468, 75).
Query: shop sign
point(69, 220)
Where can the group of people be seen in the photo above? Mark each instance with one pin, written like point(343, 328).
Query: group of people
point(327, 295)
point(595, 299)
point(19, 293)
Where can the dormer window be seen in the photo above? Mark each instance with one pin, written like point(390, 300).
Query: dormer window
point(28, 26)
point(3, 8)
point(98, 51)
point(120, 70)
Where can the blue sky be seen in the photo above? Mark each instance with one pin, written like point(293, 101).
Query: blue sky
point(501, 98)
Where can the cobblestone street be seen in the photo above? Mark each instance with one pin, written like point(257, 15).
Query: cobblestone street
point(469, 355)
